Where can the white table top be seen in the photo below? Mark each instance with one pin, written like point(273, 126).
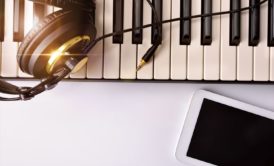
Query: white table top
point(106, 124)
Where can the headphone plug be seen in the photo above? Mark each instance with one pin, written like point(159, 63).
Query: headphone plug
point(145, 59)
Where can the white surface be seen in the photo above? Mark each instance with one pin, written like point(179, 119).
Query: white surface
point(106, 124)
point(192, 116)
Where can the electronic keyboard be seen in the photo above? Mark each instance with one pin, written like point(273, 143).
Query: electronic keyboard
point(232, 47)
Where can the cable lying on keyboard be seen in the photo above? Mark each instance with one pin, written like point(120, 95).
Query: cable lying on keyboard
point(59, 44)
point(153, 49)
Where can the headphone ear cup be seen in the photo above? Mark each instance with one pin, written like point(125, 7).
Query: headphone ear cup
point(49, 35)
point(22, 57)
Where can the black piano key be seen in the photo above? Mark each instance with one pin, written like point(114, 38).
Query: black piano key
point(18, 20)
point(118, 20)
point(185, 25)
point(270, 39)
point(38, 12)
point(235, 23)
point(2, 20)
point(156, 33)
point(254, 23)
point(137, 21)
point(206, 35)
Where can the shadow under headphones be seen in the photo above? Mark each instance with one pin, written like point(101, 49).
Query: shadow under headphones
point(55, 47)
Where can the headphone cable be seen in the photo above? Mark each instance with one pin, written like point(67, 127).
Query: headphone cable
point(154, 47)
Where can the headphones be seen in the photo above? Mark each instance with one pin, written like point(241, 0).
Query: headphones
point(56, 46)
point(58, 37)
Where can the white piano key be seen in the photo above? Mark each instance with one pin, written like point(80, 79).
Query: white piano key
point(111, 51)
point(212, 52)
point(147, 71)
point(9, 48)
point(28, 16)
point(195, 50)
point(55, 9)
point(128, 50)
point(228, 53)
point(0, 55)
point(245, 52)
point(162, 55)
point(95, 57)
point(18, 18)
point(80, 73)
point(261, 52)
point(271, 64)
point(49, 10)
point(178, 52)
point(2, 7)
point(28, 26)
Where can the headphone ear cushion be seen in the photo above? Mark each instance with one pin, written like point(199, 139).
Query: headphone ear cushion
point(22, 58)
point(56, 29)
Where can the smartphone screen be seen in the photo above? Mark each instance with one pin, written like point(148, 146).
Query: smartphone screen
point(224, 135)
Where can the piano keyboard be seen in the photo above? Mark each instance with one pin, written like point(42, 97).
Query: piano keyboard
point(235, 47)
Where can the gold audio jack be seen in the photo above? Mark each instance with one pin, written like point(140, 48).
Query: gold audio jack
point(149, 54)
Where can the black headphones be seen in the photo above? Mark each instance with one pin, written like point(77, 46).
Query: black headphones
point(56, 46)
point(58, 37)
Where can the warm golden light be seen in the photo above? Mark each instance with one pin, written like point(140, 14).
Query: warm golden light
point(56, 55)
point(62, 51)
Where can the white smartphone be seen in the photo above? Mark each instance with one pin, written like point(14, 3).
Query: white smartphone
point(222, 131)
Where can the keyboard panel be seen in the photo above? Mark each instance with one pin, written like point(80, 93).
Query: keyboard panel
point(235, 47)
